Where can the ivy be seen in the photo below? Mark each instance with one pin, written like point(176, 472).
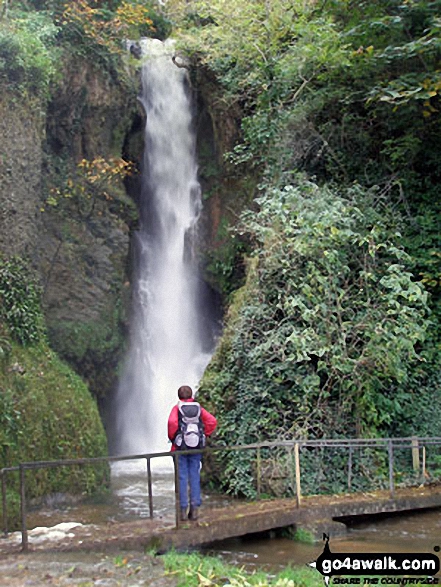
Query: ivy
point(323, 338)
point(20, 302)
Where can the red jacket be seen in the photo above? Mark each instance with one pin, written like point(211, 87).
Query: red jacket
point(208, 420)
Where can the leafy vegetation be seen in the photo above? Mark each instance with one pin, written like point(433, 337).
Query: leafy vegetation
point(91, 181)
point(194, 569)
point(98, 29)
point(336, 329)
point(47, 412)
point(28, 54)
point(324, 338)
point(20, 302)
point(34, 35)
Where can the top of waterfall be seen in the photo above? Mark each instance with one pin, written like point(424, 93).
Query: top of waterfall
point(156, 48)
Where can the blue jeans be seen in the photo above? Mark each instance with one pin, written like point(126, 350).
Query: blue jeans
point(190, 475)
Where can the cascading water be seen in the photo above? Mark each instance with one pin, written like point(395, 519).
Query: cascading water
point(169, 346)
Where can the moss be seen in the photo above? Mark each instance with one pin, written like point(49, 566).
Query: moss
point(93, 347)
point(300, 535)
point(47, 414)
point(233, 322)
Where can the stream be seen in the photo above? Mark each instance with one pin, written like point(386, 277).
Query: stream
point(128, 500)
point(411, 533)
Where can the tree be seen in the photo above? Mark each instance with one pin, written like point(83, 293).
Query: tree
point(92, 180)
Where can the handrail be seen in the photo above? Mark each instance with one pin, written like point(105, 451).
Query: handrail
point(328, 442)
point(389, 444)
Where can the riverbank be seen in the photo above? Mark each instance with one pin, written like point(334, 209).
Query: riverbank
point(134, 569)
point(113, 553)
point(83, 569)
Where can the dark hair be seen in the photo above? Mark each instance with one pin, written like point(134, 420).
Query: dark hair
point(185, 392)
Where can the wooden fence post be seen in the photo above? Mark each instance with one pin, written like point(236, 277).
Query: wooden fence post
point(258, 473)
point(423, 468)
point(351, 452)
point(4, 504)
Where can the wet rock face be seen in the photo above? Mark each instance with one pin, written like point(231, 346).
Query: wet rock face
point(20, 177)
point(80, 260)
point(83, 257)
point(90, 112)
point(83, 267)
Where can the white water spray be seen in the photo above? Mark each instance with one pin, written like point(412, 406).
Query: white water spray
point(167, 349)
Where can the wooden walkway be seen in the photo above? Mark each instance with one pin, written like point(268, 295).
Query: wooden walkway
point(317, 514)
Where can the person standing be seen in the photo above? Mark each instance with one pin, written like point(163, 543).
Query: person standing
point(188, 426)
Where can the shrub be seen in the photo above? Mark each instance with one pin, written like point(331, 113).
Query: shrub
point(323, 338)
point(28, 55)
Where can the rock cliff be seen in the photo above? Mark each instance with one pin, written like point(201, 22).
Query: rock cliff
point(80, 258)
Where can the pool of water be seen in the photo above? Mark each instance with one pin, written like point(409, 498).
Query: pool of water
point(412, 533)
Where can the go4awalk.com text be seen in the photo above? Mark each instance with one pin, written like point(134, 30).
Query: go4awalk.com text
point(382, 569)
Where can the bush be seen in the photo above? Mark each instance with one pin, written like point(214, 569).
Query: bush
point(28, 56)
point(323, 339)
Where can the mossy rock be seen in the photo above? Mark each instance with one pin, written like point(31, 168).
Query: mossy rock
point(47, 413)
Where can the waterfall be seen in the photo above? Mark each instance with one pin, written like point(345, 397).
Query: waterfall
point(169, 346)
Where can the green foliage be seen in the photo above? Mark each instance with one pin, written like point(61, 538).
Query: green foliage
point(348, 91)
point(28, 53)
point(47, 413)
point(97, 28)
point(225, 266)
point(5, 347)
point(302, 535)
point(20, 302)
point(264, 55)
point(93, 348)
point(92, 181)
point(144, 19)
point(323, 338)
point(193, 570)
point(60, 5)
point(34, 34)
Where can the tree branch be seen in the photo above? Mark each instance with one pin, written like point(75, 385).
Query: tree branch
point(181, 65)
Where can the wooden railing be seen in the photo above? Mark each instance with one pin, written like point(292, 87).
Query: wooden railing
point(415, 446)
